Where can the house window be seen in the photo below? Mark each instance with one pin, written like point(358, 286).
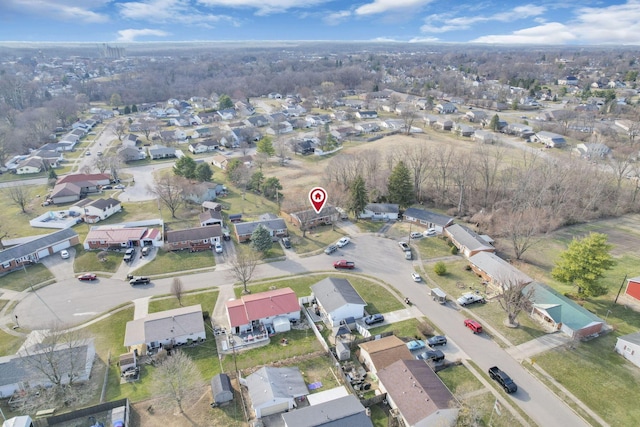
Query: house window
point(6, 265)
point(205, 240)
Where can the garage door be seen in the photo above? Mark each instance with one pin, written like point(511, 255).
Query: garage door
point(274, 409)
point(43, 253)
point(61, 246)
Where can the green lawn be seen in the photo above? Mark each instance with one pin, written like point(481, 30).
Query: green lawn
point(9, 344)
point(87, 261)
point(366, 226)
point(406, 328)
point(19, 280)
point(207, 299)
point(170, 262)
point(458, 379)
point(432, 247)
point(315, 240)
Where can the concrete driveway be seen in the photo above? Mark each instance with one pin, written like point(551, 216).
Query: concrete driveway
point(62, 269)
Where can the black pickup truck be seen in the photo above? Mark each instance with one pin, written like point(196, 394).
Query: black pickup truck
point(503, 379)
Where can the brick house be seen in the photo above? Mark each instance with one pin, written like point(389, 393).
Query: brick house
point(194, 239)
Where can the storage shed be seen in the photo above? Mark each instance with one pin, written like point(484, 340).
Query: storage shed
point(221, 389)
point(281, 324)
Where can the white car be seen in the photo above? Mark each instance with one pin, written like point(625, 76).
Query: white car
point(218, 248)
point(64, 254)
point(415, 235)
point(416, 277)
point(343, 242)
point(430, 232)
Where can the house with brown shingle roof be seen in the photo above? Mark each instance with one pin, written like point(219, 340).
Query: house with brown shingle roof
point(418, 394)
point(380, 353)
point(194, 239)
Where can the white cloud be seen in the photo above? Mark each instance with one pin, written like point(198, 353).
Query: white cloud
point(66, 10)
point(424, 40)
point(264, 7)
point(336, 17)
point(442, 23)
point(381, 6)
point(131, 35)
point(175, 11)
point(552, 33)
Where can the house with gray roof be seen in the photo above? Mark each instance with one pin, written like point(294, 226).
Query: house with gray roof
point(467, 241)
point(194, 239)
point(276, 227)
point(337, 300)
point(496, 271)
point(36, 249)
point(97, 210)
point(161, 152)
point(221, 389)
point(380, 212)
point(165, 329)
point(274, 390)
point(343, 411)
point(210, 217)
point(629, 347)
point(559, 313)
point(592, 150)
point(550, 139)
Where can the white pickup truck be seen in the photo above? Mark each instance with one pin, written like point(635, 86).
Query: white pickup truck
point(470, 298)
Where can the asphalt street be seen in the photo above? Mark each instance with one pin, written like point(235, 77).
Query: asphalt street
point(73, 302)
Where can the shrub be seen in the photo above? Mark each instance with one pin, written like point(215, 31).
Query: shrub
point(426, 329)
point(454, 250)
point(440, 268)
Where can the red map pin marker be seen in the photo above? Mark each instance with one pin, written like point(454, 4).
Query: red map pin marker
point(318, 198)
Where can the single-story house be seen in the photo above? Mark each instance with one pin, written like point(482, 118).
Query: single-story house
point(276, 227)
point(87, 180)
point(309, 218)
point(427, 219)
point(220, 161)
point(418, 394)
point(165, 329)
point(96, 210)
point(443, 124)
point(343, 411)
point(484, 136)
point(30, 165)
point(131, 154)
point(475, 116)
point(592, 150)
point(519, 129)
point(380, 353)
point(113, 237)
point(559, 313)
point(194, 239)
point(70, 188)
point(65, 193)
point(337, 300)
point(157, 151)
point(367, 127)
point(22, 368)
point(380, 211)
point(221, 389)
point(32, 251)
point(273, 390)
point(205, 146)
point(368, 114)
point(268, 308)
point(468, 242)
point(462, 130)
point(496, 271)
point(446, 108)
point(210, 217)
point(633, 288)
point(202, 192)
point(550, 139)
point(629, 347)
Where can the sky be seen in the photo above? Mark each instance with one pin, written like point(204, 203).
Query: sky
point(542, 22)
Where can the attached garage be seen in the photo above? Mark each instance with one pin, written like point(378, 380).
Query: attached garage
point(275, 390)
point(43, 253)
point(60, 246)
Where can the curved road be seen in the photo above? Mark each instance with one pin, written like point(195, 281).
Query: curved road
point(74, 302)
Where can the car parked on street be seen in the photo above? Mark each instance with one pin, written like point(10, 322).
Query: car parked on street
point(343, 242)
point(416, 345)
point(373, 319)
point(119, 187)
point(408, 255)
point(437, 340)
point(435, 355)
point(330, 249)
point(87, 276)
point(416, 277)
point(139, 280)
point(404, 246)
point(474, 325)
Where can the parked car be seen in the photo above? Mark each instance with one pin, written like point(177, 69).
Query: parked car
point(88, 153)
point(330, 249)
point(503, 379)
point(343, 242)
point(470, 298)
point(404, 246)
point(408, 255)
point(415, 235)
point(145, 251)
point(218, 248)
point(373, 319)
point(474, 325)
point(128, 255)
point(430, 232)
point(87, 276)
point(119, 187)
point(437, 340)
point(435, 355)
point(64, 254)
point(107, 187)
point(140, 280)
point(286, 243)
point(416, 277)
point(416, 345)
point(343, 263)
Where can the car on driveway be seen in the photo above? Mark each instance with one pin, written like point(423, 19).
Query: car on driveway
point(343, 242)
point(437, 340)
point(416, 345)
point(286, 243)
point(218, 248)
point(415, 235)
point(128, 255)
point(435, 355)
point(330, 249)
point(87, 276)
point(64, 254)
point(416, 277)
point(430, 232)
point(119, 187)
point(373, 319)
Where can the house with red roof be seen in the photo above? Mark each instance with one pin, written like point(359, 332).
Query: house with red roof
point(114, 238)
point(271, 310)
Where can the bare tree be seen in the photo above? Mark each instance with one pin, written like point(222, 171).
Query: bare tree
point(20, 195)
point(101, 163)
point(3, 235)
point(523, 228)
point(177, 289)
point(282, 150)
point(514, 298)
point(175, 379)
point(168, 188)
point(120, 129)
point(243, 265)
point(408, 116)
point(102, 256)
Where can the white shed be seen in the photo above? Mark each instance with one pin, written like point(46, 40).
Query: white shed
point(629, 347)
point(281, 324)
point(20, 421)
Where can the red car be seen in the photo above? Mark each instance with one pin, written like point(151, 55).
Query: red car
point(473, 325)
point(87, 276)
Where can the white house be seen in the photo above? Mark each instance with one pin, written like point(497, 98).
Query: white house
point(253, 311)
point(629, 347)
point(165, 328)
point(380, 211)
point(97, 210)
point(337, 300)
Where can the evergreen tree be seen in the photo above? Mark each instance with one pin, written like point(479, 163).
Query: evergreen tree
point(127, 109)
point(359, 196)
point(494, 124)
point(134, 108)
point(203, 172)
point(271, 188)
point(261, 239)
point(225, 102)
point(185, 167)
point(255, 183)
point(400, 186)
point(265, 146)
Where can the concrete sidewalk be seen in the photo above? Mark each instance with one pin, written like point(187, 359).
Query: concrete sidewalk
point(539, 345)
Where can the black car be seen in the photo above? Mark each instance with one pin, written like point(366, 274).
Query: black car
point(139, 281)
point(286, 242)
point(435, 355)
point(373, 319)
point(437, 340)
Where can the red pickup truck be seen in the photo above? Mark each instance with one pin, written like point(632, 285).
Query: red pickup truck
point(344, 264)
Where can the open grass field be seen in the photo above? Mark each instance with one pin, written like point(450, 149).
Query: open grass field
point(207, 299)
point(87, 261)
point(166, 262)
